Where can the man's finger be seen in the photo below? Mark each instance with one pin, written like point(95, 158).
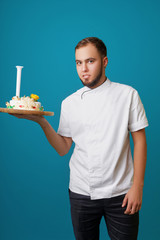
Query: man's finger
point(16, 115)
point(133, 210)
point(125, 201)
point(128, 209)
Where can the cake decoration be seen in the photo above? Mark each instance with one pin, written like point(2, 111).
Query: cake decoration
point(18, 84)
point(34, 96)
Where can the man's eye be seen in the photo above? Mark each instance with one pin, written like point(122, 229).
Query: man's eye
point(90, 61)
point(78, 63)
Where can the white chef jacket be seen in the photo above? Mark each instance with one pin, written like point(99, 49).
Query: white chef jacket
point(99, 121)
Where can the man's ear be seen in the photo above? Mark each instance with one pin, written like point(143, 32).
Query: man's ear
point(105, 61)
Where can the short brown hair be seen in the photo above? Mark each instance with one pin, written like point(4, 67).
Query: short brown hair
point(99, 44)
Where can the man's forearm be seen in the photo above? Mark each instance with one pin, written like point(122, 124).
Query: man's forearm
point(56, 141)
point(140, 157)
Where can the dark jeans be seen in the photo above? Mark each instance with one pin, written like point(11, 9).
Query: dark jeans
point(86, 215)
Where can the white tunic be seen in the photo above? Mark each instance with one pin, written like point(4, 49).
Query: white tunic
point(98, 121)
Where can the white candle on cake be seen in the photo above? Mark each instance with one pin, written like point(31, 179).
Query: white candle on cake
point(18, 86)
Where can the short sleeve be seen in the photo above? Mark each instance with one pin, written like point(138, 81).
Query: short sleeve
point(137, 115)
point(63, 128)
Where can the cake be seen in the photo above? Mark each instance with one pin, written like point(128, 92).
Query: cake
point(25, 103)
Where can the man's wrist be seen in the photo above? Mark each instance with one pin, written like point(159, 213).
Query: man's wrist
point(41, 121)
point(138, 184)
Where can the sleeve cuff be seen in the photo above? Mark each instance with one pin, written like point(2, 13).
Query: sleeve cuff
point(65, 134)
point(138, 125)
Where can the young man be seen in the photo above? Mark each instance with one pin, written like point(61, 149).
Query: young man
point(104, 181)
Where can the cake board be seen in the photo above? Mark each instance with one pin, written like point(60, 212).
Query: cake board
point(26, 112)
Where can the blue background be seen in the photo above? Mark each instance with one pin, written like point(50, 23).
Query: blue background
point(41, 36)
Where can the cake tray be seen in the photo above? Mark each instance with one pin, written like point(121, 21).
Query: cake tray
point(28, 112)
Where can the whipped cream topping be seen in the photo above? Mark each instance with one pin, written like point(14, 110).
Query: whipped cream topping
point(26, 103)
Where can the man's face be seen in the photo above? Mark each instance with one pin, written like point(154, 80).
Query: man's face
point(90, 66)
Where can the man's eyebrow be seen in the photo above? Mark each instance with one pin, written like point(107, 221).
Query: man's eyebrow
point(91, 58)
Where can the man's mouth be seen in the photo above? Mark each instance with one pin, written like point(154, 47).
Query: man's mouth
point(85, 76)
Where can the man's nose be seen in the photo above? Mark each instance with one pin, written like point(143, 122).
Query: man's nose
point(84, 67)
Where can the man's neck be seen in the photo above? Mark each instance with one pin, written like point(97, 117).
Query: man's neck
point(103, 79)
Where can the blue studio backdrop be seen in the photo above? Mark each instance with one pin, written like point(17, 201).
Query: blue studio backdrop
point(41, 36)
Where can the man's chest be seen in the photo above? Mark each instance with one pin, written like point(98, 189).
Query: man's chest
point(97, 113)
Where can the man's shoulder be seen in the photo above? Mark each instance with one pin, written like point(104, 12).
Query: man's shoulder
point(122, 86)
point(74, 96)
point(127, 91)
point(124, 92)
